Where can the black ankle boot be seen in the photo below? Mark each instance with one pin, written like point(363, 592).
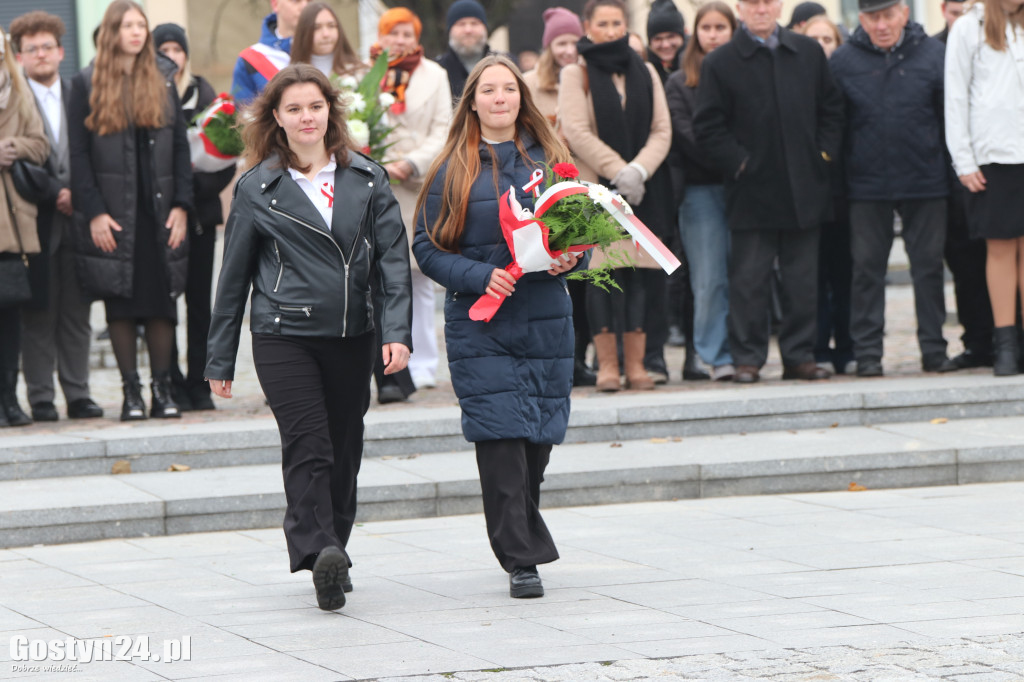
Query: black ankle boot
point(1004, 351)
point(164, 406)
point(692, 370)
point(133, 408)
point(9, 401)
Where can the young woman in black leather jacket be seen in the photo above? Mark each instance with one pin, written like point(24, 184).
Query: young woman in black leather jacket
point(310, 261)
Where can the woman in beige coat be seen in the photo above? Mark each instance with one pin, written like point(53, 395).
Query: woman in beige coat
point(421, 115)
point(612, 111)
point(21, 137)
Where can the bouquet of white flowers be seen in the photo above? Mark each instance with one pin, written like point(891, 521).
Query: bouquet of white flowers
point(367, 109)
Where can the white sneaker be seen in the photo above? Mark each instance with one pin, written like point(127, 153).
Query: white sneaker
point(722, 373)
point(424, 381)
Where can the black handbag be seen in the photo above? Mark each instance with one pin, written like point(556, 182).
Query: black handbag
point(14, 286)
point(30, 181)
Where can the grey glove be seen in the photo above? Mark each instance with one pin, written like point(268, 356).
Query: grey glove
point(630, 184)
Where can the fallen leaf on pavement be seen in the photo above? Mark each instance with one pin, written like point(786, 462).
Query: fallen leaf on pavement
point(616, 445)
point(856, 487)
point(659, 440)
point(179, 467)
point(939, 420)
point(121, 466)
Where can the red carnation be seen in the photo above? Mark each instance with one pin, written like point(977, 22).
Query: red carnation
point(228, 108)
point(566, 170)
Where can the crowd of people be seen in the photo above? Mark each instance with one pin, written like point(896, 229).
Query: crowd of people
point(774, 161)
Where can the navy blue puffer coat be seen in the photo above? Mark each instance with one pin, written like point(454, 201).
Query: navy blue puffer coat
point(895, 145)
point(512, 375)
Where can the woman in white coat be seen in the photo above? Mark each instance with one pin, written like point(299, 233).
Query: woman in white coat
point(984, 108)
point(421, 114)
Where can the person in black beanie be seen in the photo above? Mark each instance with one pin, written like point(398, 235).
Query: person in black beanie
point(666, 37)
point(192, 392)
point(467, 43)
point(803, 13)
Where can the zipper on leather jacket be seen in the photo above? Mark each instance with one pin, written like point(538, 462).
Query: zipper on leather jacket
point(344, 261)
point(308, 309)
point(280, 263)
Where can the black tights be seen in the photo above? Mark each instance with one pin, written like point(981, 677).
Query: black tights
point(614, 310)
point(159, 340)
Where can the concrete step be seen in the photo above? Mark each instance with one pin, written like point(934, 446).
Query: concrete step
point(151, 447)
point(896, 455)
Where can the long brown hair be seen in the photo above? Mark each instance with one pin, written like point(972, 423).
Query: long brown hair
point(345, 58)
point(118, 99)
point(263, 137)
point(996, 18)
point(462, 154)
point(693, 55)
point(547, 70)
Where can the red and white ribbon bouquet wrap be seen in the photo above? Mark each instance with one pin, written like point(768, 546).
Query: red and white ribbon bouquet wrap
point(577, 216)
point(213, 138)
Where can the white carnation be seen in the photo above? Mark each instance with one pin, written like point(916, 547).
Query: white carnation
point(348, 83)
point(386, 99)
point(359, 132)
point(356, 102)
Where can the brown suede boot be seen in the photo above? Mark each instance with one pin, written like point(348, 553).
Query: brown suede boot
point(607, 362)
point(633, 358)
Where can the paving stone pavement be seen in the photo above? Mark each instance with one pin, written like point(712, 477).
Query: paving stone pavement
point(922, 583)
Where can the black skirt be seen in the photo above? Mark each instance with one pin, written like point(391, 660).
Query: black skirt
point(997, 212)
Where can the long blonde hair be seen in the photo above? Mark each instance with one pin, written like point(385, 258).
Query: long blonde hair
point(21, 96)
point(119, 100)
point(462, 154)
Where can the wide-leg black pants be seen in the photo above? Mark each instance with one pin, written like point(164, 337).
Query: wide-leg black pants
point(318, 390)
point(511, 471)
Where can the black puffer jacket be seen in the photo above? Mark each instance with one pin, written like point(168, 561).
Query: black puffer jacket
point(105, 179)
point(894, 145)
point(306, 280)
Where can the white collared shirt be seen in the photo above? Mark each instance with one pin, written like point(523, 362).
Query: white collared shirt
point(49, 98)
point(321, 190)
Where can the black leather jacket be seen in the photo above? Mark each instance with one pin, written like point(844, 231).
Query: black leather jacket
point(306, 280)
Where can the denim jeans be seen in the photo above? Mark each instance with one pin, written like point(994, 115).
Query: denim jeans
point(705, 238)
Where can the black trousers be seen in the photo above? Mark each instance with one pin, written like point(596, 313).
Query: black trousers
point(966, 260)
point(835, 275)
point(871, 235)
point(318, 390)
point(753, 254)
point(511, 471)
point(198, 285)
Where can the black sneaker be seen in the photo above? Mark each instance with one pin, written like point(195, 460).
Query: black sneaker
point(44, 412)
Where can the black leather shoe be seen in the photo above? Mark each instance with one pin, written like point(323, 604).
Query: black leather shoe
point(390, 393)
point(44, 412)
point(869, 367)
point(746, 374)
point(972, 358)
point(582, 375)
point(938, 362)
point(84, 408)
point(330, 573)
point(524, 583)
point(199, 397)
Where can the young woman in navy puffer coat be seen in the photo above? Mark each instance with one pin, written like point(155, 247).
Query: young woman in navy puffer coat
point(512, 375)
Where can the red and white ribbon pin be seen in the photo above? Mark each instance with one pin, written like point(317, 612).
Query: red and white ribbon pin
point(534, 183)
point(328, 191)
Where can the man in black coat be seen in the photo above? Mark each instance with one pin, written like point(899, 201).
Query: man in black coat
point(55, 324)
point(769, 118)
point(891, 76)
point(965, 256)
point(467, 43)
